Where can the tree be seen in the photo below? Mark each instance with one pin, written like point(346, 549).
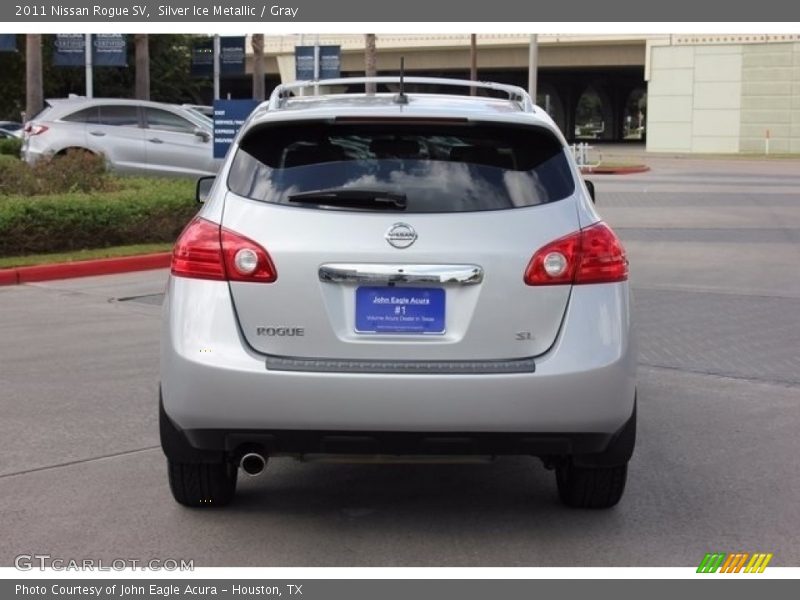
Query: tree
point(12, 98)
point(170, 75)
point(257, 42)
point(171, 67)
point(142, 45)
point(34, 94)
point(370, 61)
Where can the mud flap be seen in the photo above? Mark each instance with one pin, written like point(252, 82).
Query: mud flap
point(619, 450)
point(175, 445)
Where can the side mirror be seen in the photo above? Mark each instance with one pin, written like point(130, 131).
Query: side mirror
point(202, 134)
point(204, 185)
point(590, 187)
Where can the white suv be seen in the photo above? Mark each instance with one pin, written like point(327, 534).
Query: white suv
point(135, 136)
point(399, 276)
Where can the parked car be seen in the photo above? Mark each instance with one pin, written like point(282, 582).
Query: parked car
point(10, 129)
point(135, 136)
point(398, 277)
point(203, 109)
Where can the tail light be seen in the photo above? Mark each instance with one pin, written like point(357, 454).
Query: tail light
point(591, 255)
point(205, 250)
point(34, 129)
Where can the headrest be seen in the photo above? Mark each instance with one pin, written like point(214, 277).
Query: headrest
point(394, 148)
point(311, 155)
point(481, 155)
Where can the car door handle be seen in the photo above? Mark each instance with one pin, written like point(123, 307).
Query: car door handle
point(97, 133)
point(156, 140)
point(401, 273)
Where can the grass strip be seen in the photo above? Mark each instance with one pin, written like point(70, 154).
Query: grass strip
point(79, 255)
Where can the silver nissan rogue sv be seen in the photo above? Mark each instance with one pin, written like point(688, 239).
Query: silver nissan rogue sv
point(399, 276)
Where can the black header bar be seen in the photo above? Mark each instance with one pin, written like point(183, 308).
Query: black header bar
point(452, 11)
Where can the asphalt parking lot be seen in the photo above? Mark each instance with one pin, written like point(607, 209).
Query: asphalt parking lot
point(715, 249)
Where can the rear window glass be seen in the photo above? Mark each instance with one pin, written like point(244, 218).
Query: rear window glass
point(436, 167)
point(86, 115)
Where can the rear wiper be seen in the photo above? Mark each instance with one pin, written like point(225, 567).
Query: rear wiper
point(353, 198)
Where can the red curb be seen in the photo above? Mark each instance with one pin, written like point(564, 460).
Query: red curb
point(85, 268)
point(614, 170)
point(9, 277)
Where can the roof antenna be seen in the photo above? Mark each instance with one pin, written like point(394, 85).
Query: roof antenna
point(401, 97)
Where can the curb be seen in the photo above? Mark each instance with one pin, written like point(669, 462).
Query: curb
point(85, 268)
point(614, 170)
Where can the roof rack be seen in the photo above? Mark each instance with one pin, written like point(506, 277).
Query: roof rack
point(515, 93)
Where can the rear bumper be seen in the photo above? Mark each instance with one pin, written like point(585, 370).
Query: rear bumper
point(217, 445)
point(214, 386)
point(30, 155)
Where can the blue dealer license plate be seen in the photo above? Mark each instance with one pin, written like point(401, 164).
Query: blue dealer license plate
point(400, 310)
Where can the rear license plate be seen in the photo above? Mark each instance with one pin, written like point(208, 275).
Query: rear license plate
point(400, 310)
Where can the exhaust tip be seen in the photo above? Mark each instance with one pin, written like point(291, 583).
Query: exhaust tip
point(253, 464)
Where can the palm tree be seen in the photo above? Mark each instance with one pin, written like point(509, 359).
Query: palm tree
point(142, 47)
point(370, 61)
point(257, 42)
point(34, 95)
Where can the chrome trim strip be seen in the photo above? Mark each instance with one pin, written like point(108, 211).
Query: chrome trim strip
point(401, 273)
point(408, 367)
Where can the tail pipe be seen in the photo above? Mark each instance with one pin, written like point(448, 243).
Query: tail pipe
point(253, 464)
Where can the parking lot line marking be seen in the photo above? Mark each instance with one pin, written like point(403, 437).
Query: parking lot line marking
point(78, 462)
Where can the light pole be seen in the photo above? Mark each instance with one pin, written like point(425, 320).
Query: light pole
point(473, 61)
point(88, 60)
point(533, 65)
point(216, 67)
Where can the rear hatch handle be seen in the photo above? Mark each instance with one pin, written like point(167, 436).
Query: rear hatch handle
point(400, 273)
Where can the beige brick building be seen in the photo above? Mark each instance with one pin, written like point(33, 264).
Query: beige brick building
point(724, 94)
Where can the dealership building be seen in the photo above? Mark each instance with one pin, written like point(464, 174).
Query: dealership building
point(725, 93)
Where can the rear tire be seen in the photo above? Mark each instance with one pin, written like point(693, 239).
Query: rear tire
point(202, 484)
point(590, 487)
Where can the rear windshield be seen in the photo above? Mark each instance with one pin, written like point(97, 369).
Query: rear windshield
point(435, 167)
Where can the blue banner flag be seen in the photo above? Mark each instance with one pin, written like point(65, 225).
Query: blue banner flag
point(69, 50)
point(8, 42)
point(330, 59)
point(110, 50)
point(202, 58)
point(231, 56)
